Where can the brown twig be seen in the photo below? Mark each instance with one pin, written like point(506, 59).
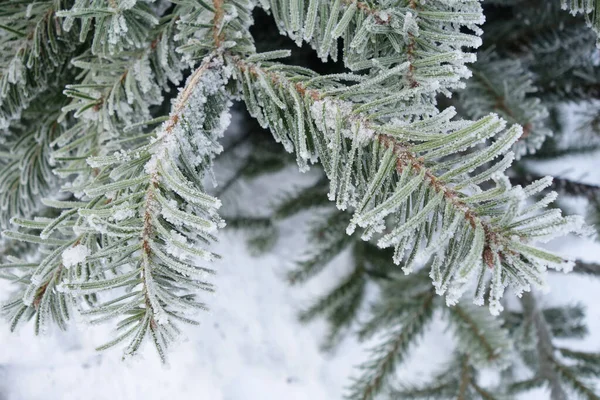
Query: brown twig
point(217, 21)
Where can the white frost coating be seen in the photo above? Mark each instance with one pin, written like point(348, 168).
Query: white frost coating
point(118, 28)
point(175, 250)
point(496, 288)
point(410, 26)
point(75, 255)
point(324, 112)
point(123, 213)
point(158, 313)
point(126, 4)
point(565, 267)
point(191, 138)
point(562, 226)
point(383, 16)
point(144, 74)
point(15, 71)
point(456, 290)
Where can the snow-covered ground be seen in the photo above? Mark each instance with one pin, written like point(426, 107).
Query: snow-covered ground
point(250, 346)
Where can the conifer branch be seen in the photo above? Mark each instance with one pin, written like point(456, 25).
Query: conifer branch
point(26, 169)
point(404, 157)
point(393, 350)
point(385, 35)
point(582, 267)
point(34, 51)
point(143, 236)
point(545, 349)
point(589, 8)
point(553, 371)
point(492, 353)
point(485, 395)
point(498, 243)
point(465, 378)
point(149, 207)
point(118, 26)
point(506, 87)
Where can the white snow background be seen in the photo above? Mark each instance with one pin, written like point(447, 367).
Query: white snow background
point(251, 346)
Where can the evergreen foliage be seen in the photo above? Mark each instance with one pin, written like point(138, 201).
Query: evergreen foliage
point(104, 164)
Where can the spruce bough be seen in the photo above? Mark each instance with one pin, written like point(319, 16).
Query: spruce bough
point(103, 169)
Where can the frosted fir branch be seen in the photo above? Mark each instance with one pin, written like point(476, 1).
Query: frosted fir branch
point(506, 87)
point(406, 159)
point(38, 296)
point(118, 93)
point(139, 232)
point(138, 78)
point(121, 25)
point(409, 29)
point(26, 168)
point(499, 236)
point(387, 34)
point(167, 255)
point(35, 52)
point(589, 8)
point(114, 93)
point(164, 149)
point(133, 226)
